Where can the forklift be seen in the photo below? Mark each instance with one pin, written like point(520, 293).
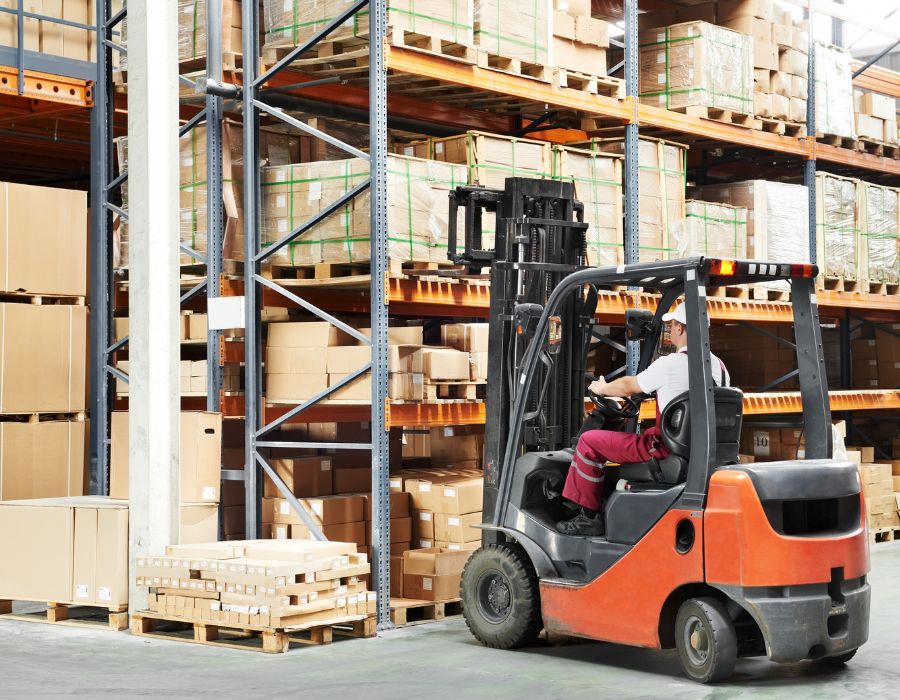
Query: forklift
point(701, 553)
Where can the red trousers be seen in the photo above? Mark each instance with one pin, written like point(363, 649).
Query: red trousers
point(584, 483)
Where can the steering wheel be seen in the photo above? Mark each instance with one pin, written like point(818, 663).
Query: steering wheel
point(610, 408)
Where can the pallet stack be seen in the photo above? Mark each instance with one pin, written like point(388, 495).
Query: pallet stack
point(699, 69)
point(879, 237)
point(713, 230)
point(43, 341)
point(272, 588)
point(580, 44)
point(878, 489)
point(837, 230)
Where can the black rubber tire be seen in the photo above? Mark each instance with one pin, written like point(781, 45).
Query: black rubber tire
point(715, 661)
point(837, 659)
point(500, 597)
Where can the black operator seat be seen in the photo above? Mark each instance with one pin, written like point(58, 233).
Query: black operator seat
point(675, 429)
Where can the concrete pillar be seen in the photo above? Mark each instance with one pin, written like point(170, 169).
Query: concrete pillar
point(153, 294)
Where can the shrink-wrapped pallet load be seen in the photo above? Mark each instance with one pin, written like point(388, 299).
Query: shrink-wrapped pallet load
point(834, 92)
point(837, 226)
point(878, 229)
point(713, 230)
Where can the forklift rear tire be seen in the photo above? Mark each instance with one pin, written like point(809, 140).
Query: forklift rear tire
point(706, 640)
point(500, 597)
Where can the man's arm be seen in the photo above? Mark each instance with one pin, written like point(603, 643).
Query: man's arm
point(623, 386)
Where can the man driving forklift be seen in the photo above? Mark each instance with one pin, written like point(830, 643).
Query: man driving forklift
point(667, 377)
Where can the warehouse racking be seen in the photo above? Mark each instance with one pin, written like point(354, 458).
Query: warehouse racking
point(386, 91)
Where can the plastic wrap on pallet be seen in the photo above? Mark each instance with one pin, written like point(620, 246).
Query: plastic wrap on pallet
point(837, 221)
point(597, 178)
point(696, 63)
point(711, 229)
point(662, 176)
point(777, 219)
point(292, 22)
point(191, 29)
point(879, 239)
point(834, 92)
point(515, 29)
point(417, 210)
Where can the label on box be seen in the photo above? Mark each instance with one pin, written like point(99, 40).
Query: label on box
point(315, 191)
point(438, 148)
point(448, 432)
point(285, 508)
point(425, 544)
point(208, 493)
point(280, 532)
point(317, 508)
point(281, 201)
point(326, 465)
point(660, 38)
point(449, 492)
point(453, 546)
point(282, 225)
point(661, 57)
point(104, 593)
point(453, 521)
point(424, 487)
point(426, 584)
point(396, 483)
point(81, 591)
point(425, 515)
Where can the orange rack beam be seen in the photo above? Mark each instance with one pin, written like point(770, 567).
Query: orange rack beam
point(47, 87)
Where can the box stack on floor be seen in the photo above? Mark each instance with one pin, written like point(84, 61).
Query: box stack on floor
point(258, 583)
point(43, 341)
point(879, 491)
point(66, 551)
point(200, 480)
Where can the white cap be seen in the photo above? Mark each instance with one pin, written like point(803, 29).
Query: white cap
point(679, 314)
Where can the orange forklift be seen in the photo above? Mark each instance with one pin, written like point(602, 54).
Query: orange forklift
point(715, 558)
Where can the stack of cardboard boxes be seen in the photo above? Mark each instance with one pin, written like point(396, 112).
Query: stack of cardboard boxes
point(752, 359)
point(713, 230)
point(258, 582)
point(879, 492)
point(43, 233)
point(879, 234)
point(192, 377)
point(50, 37)
point(834, 93)
point(780, 57)
point(65, 550)
point(519, 30)
point(192, 29)
point(580, 42)
point(695, 67)
point(876, 117)
point(876, 360)
point(837, 227)
point(200, 478)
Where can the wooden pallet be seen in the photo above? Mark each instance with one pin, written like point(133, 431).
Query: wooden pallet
point(884, 535)
point(39, 299)
point(878, 148)
point(514, 66)
point(592, 84)
point(334, 270)
point(269, 640)
point(882, 288)
point(113, 618)
point(839, 284)
point(715, 114)
point(837, 141)
point(779, 126)
point(405, 611)
point(430, 44)
point(73, 417)
point(460, 391)
point(344, 57)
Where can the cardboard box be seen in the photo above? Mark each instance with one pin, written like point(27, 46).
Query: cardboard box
point(729, 9)
point(305, 477)
point(198, 523)
point(401, 530)
point(39, 550)
point(400, 335)
point(469, 337)
point(461, 497)
point(396, 576)
point(762, 104)
point(44, 358)
point(294, 388)
point(423, 524)
point(331, 510)
point(478, 366)
point(289, 360)
point(456, 443)
point(457, 528)
point(445, 364)
point(356, 532)
point(874, 473)
point(200, 453)
point(42, 460)
point(433, 574)
point(43, 233)
point(876, 105)
point(352, 479)
point(437, 588)
point(309, 334)
point(868, 127)
point(765, 56)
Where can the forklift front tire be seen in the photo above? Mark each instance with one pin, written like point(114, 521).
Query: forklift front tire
point(706, 640)
point(500, 597)
point(838, 659)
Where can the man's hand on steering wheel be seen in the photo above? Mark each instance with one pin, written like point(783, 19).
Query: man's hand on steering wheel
point(610, 406)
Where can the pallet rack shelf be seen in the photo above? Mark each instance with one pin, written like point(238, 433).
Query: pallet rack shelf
point(383, 90)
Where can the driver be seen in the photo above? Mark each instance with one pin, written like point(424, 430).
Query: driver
point(668, 377)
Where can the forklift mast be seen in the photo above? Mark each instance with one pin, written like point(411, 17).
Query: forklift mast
point(539, 239)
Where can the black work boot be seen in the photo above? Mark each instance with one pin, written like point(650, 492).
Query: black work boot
point(583, 525)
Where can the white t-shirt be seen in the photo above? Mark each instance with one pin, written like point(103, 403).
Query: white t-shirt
point(668, 376)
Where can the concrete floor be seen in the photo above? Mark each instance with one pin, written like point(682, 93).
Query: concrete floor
point(439, 660)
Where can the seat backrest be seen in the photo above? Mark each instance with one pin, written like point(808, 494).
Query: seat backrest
point(675, 424)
